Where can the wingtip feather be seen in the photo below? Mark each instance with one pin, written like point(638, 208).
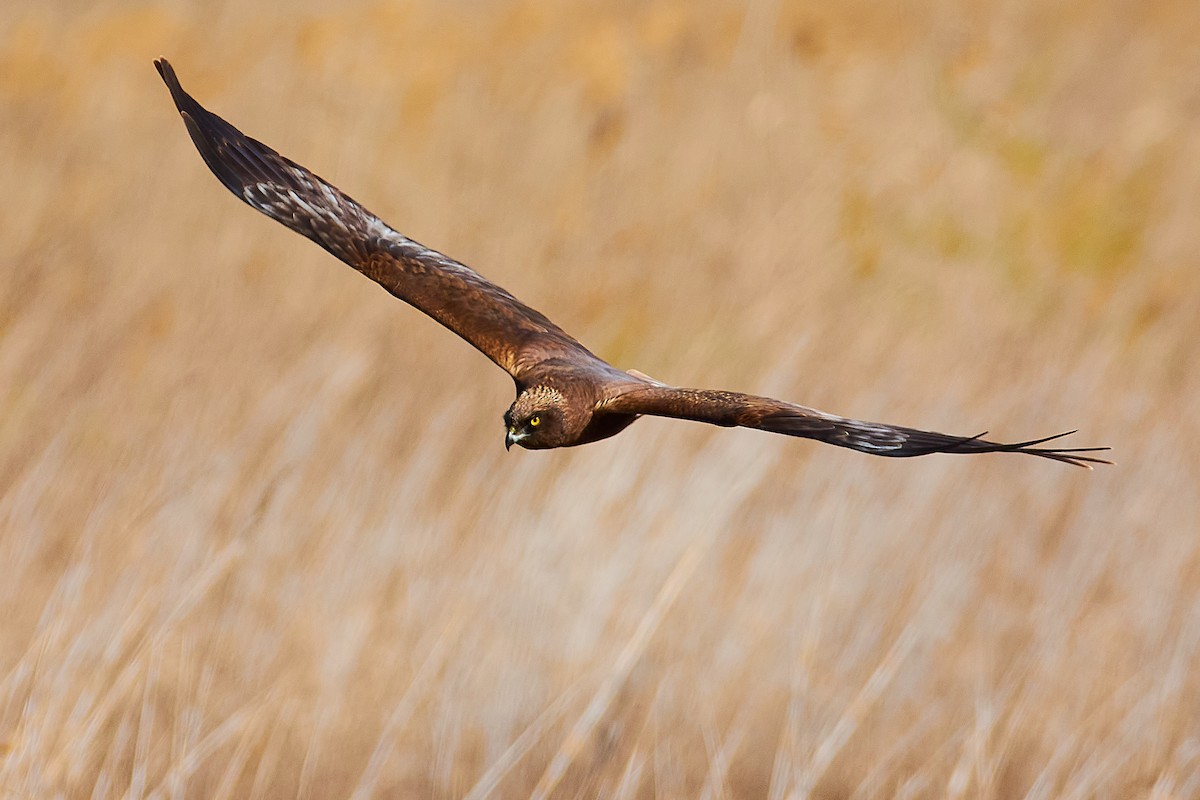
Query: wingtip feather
point(167, 73)
point(183, 101)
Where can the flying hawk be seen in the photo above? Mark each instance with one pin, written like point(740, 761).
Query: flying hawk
point(566, 396)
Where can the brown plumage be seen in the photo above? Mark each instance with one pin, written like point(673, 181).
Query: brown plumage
point(566, 396)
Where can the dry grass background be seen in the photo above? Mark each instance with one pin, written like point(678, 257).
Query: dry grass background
point(258, 533)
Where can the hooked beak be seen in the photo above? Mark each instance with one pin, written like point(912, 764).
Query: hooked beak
point(510, 438)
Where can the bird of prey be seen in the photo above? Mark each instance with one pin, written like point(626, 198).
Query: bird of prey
point(566, 396)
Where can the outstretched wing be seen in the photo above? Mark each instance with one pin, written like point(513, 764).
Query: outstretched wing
point(730, 409)
point(503, 328)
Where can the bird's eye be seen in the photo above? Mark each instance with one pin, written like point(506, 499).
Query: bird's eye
point(534, 421)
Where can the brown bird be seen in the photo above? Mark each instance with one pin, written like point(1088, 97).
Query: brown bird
point(566, 396)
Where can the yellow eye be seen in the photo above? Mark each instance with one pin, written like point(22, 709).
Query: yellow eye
point(534, 421)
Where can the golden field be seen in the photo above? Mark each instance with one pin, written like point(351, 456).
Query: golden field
point(259, 536)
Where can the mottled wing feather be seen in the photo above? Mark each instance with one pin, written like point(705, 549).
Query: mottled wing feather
point(507, 331)
point(732, 409)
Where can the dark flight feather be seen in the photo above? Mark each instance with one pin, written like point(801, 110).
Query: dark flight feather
point(733, 409)
point(507, 331)
point(583, 398)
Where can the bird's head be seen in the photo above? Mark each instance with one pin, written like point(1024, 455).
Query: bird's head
point(537, 420)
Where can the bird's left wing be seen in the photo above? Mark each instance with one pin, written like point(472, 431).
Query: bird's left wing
point(507, 331)
point(732, 409)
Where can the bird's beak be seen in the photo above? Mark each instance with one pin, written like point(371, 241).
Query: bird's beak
point(509, 438)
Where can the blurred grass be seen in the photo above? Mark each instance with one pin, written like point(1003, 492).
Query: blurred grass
point(261, 538)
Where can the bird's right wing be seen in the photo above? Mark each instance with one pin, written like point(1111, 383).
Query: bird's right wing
point(507, 331)
point(732, 409)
